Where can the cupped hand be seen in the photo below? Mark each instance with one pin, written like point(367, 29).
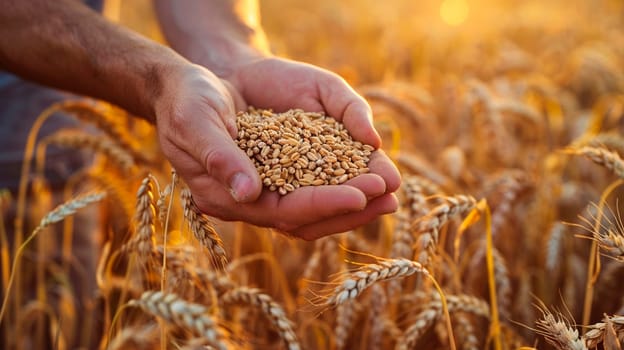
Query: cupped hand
point(195, 117)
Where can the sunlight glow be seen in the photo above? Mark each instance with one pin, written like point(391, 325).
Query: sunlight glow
point(454, 12)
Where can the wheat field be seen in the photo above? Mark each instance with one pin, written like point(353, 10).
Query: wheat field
point(505, 119)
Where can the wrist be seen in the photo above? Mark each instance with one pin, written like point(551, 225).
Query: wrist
point(142, 85)
point(219, 35)
point(223, 56)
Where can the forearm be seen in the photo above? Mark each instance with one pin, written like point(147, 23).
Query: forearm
point(64, 44)
point(218, 34)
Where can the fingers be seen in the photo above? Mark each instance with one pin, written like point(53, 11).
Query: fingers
point(314, 203)
point(385, 204)
point(342, 102)
point(372, 185)
point(301, 207)
point(229, 165)
point(381, 165)
point(199, 132)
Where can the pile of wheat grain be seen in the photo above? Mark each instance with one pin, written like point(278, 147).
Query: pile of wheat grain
point(297, 148)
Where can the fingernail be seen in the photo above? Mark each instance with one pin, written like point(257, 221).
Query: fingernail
point(240, 187)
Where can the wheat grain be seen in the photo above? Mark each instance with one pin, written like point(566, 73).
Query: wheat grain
point(297, 148)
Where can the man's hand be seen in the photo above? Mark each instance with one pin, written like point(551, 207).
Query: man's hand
point(282, 84)
point(196, 126)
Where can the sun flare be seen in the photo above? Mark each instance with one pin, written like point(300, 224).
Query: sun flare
point(454, 12)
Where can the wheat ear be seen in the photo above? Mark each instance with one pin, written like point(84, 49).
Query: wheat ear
point(428, 227)
point(402, 245)
point(353, 284)
point(202, 229)
point(378, 302)
point(604, 157)
point(98, 143)
point(416, 190)
point(272, 310)
point(433, 311)
point(345, 316)
point(465, 332)
point(58, 214)
point(557, 331)
point(597, 331)
point(145, 212)
point(612, 242)
point(181, 313)
point(106, 118)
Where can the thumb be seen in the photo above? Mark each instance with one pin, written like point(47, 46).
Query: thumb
point(226, 163)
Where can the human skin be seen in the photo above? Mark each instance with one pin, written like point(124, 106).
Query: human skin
point(219, 66)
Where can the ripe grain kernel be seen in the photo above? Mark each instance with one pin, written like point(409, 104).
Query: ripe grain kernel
point(298, 148)
point(265, 151)
point(339, 172)
point(276, 153)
